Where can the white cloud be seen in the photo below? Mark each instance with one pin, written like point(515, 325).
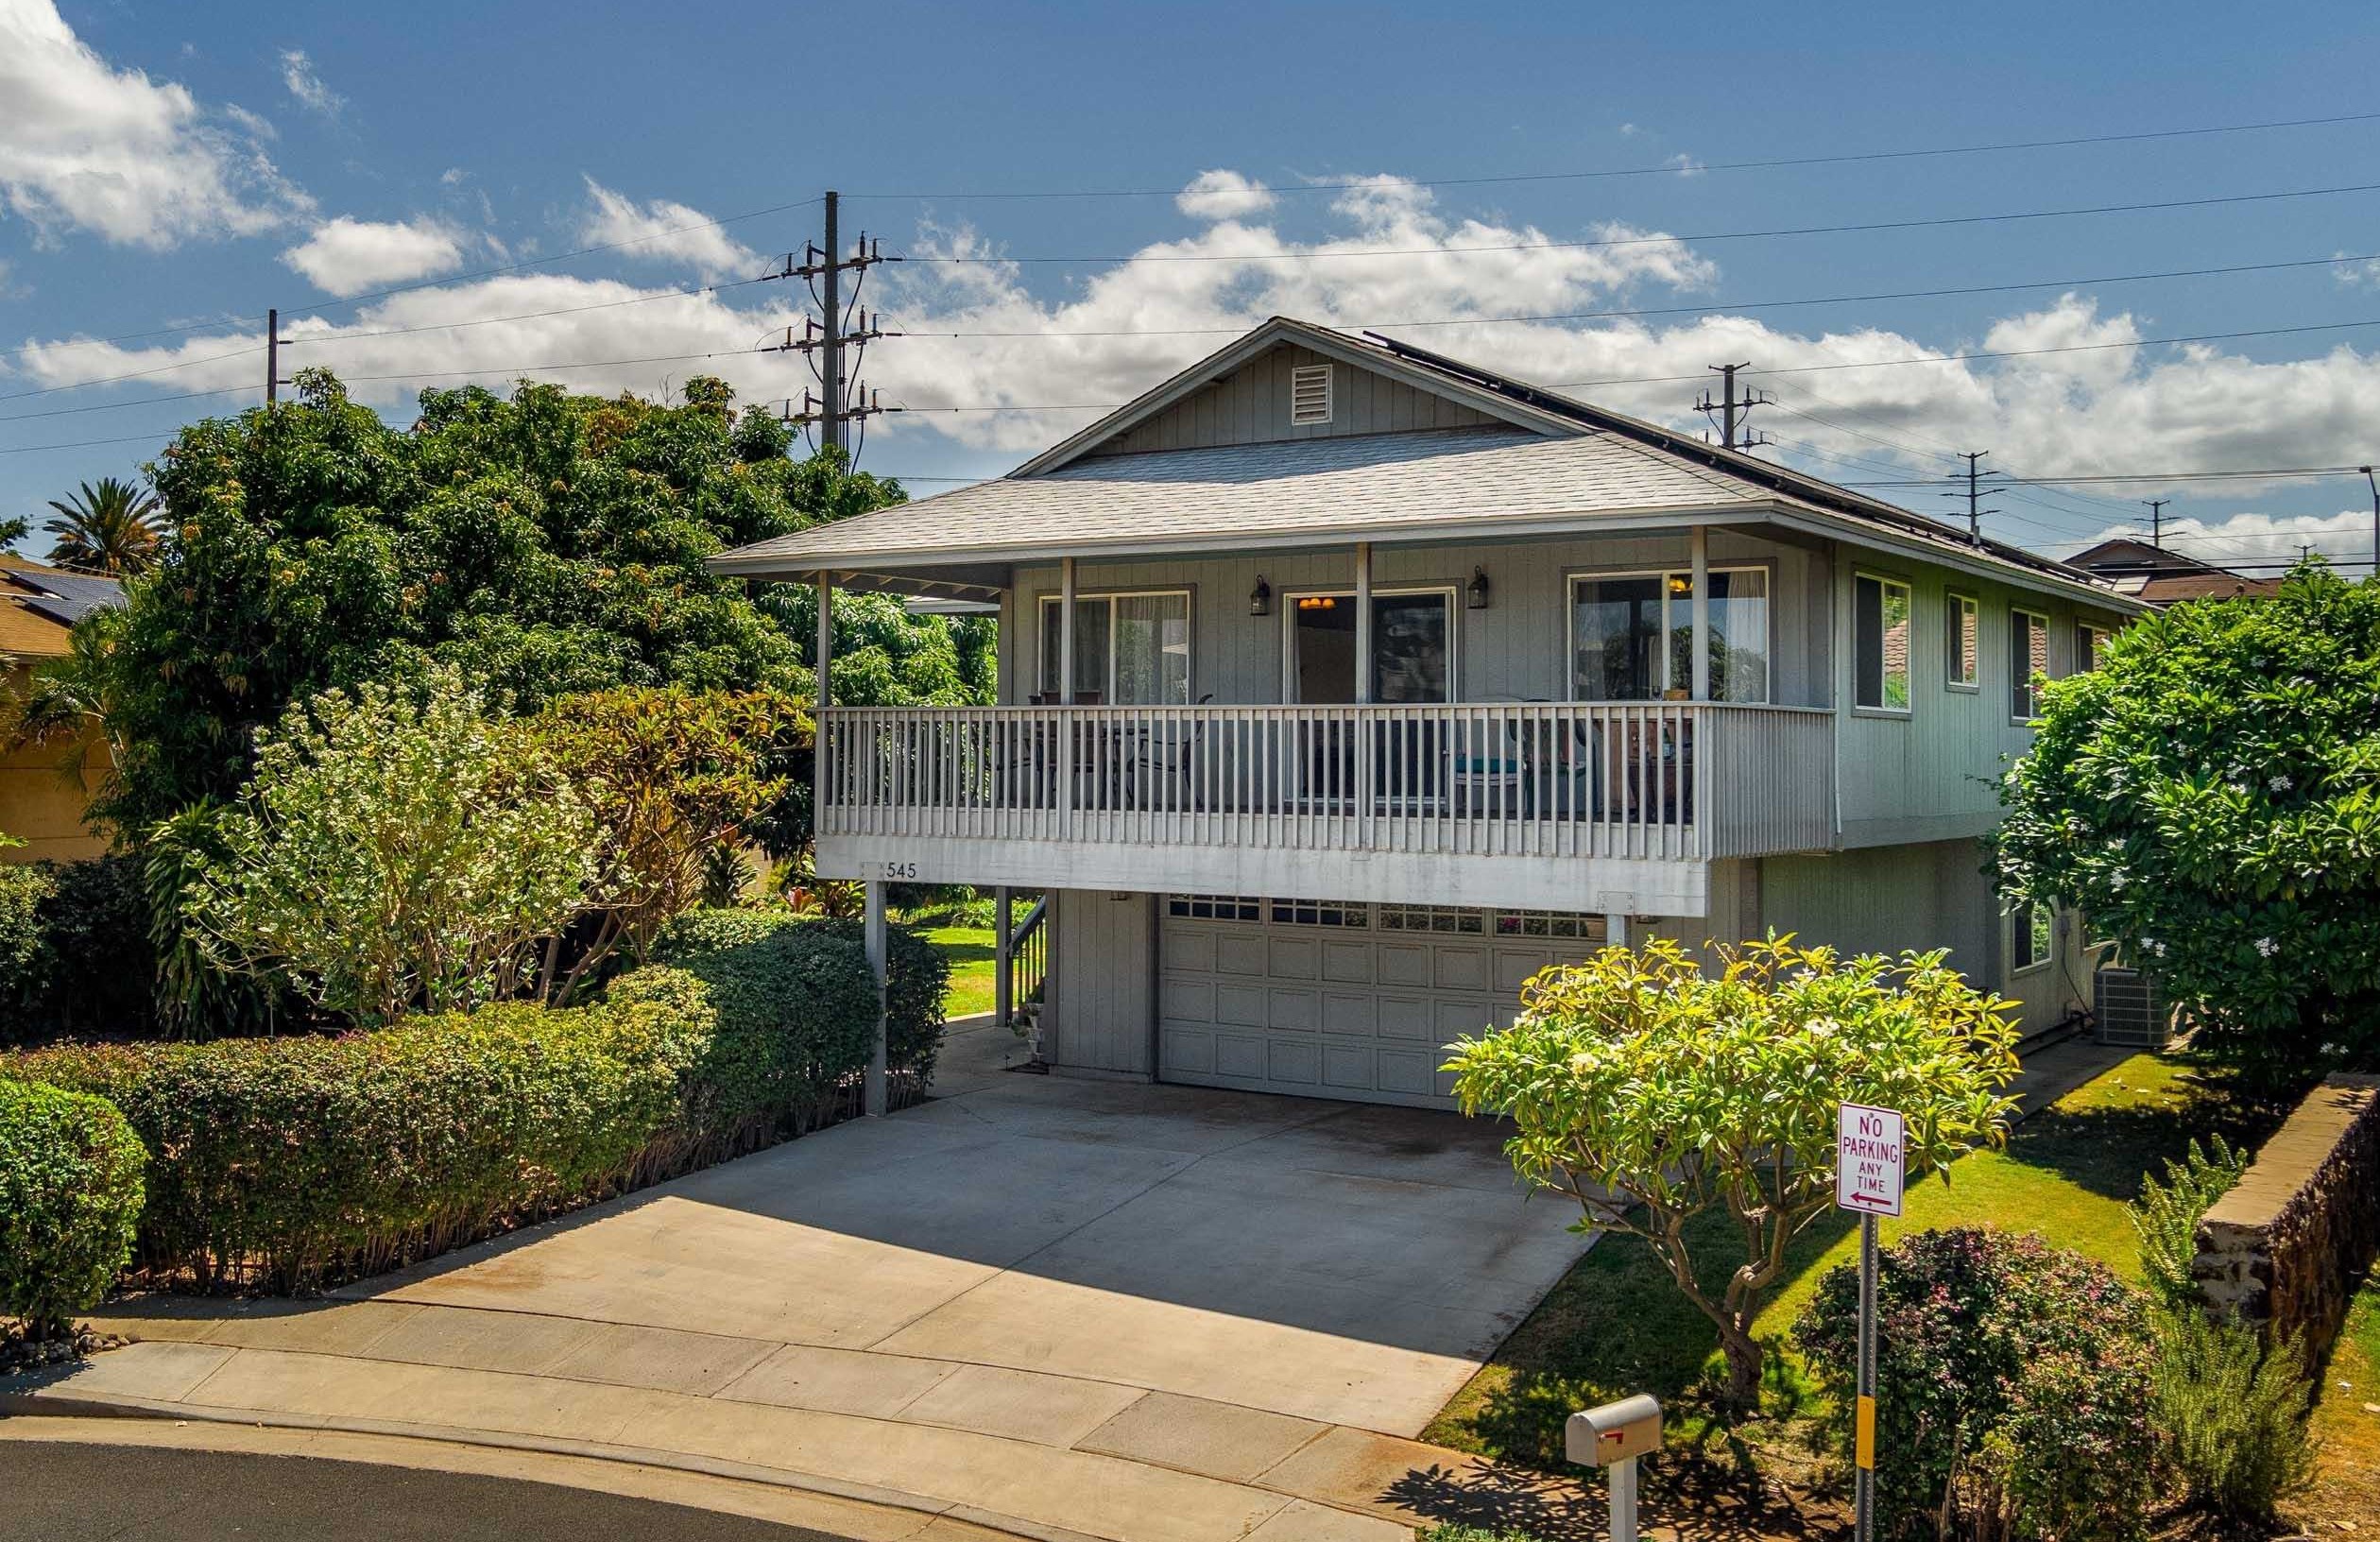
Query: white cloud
point(86, 147)
point(1684, 165)
point(348, 256)
point(298, 74)
point(1063, 350)
point(663, 231)
point(1223, 195)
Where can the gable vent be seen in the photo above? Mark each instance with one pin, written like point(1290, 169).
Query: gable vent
point(1309, 394)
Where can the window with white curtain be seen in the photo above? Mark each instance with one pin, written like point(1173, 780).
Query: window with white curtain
point(1133, 649)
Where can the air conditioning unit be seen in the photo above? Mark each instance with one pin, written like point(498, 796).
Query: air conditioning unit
point(2130, 1009)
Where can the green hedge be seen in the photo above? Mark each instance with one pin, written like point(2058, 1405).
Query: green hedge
point(788, 1003)
point(288, 1161)
point(70, 1193)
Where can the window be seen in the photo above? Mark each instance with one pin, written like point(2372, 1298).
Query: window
point(1432, 918)
point(1309, 394)
point(1413, 647)
point(2028, 656)
point(1880, 615)
point(2031, 937)
point(1962, 632)
point(2089, 647)
point(1212, 907)
point(1133, 649)
point(1321, 913)
point(1631, 636)
point(1549, 923)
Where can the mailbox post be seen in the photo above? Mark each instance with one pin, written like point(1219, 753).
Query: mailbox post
point(1612, 1437)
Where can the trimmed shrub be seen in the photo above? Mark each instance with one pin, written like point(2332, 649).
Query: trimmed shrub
point(796, 1018)
point(291, 1161)
point(70, 1193)
point(2014, 1387)
point(726, 947)
point(916, 978)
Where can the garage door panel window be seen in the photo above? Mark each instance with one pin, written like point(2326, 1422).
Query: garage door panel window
point(1134, 649)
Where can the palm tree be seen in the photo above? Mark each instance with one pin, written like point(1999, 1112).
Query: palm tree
point(111, 527)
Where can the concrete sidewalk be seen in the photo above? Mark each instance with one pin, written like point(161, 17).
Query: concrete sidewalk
point(1055, 1307)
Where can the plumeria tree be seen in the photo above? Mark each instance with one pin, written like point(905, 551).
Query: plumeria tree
point(1651, 1091)
point(2210, 797)
point(397, 849)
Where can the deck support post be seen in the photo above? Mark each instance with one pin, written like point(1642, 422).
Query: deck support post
point(1004, 954)
point(1615, 929)
point(1066, 631)
point(1362, 622)
point(824, 695)
point(875, 1097)
point(1698, 539)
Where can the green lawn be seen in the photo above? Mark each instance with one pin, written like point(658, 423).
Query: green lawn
point(972, 952)
point(1616, 1325)
point(2347, 1419)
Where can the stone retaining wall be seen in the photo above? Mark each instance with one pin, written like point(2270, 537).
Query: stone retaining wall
point(2288, 1244)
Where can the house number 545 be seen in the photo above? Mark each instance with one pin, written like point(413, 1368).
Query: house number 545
point(896, 872)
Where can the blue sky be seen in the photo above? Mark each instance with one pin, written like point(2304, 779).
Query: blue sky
point(163, 166)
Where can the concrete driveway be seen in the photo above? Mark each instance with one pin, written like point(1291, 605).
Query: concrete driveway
point(1334, 1262)
point(1050, 1306)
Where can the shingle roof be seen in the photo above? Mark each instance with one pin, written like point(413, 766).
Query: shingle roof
point(67, 596)
point(1378, 481)
point(40, 603)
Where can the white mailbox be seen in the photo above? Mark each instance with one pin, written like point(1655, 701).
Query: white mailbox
point(1615, 1432)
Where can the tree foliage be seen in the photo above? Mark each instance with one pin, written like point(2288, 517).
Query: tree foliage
point(393, 852)
point(668, 775)
point(2211, 798)
point(549, 543)
point(107, 526)
point(1651, 1091)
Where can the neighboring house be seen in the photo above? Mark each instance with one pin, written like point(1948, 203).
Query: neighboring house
point(2159, 577)
point(1387, 681)
point(41, 803)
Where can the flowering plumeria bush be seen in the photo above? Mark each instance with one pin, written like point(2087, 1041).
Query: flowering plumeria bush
point(2210, 797)
point(1650, 1091)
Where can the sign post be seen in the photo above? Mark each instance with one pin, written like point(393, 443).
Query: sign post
point(1870, 1163)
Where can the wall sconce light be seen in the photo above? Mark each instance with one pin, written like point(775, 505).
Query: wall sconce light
point(1475, 592)
point(1261, 598)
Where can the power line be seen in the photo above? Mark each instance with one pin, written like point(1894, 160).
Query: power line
point(1673, 170)
point(449, 278)
point(1707, 307)
point(1865, 228)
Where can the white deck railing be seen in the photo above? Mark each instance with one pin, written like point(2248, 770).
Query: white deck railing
point(1660, 781)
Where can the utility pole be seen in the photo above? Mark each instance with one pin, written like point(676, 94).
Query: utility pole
point(2375, 520)
point(1975, 493)
point(842, 399)
point(1734, 410)
point(2157, 521)
point(272, 356)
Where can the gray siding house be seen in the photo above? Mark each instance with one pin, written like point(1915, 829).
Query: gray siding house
point(1343, 686)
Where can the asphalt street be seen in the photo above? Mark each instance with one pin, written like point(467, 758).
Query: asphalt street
point(88, 1493)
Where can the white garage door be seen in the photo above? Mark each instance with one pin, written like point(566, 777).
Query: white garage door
point(1354, 1001)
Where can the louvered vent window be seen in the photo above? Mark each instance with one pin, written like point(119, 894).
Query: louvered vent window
point(1309, 394)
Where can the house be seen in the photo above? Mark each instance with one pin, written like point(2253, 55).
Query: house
point(1343, 686)
point(41, 800)
point(2159, 577)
